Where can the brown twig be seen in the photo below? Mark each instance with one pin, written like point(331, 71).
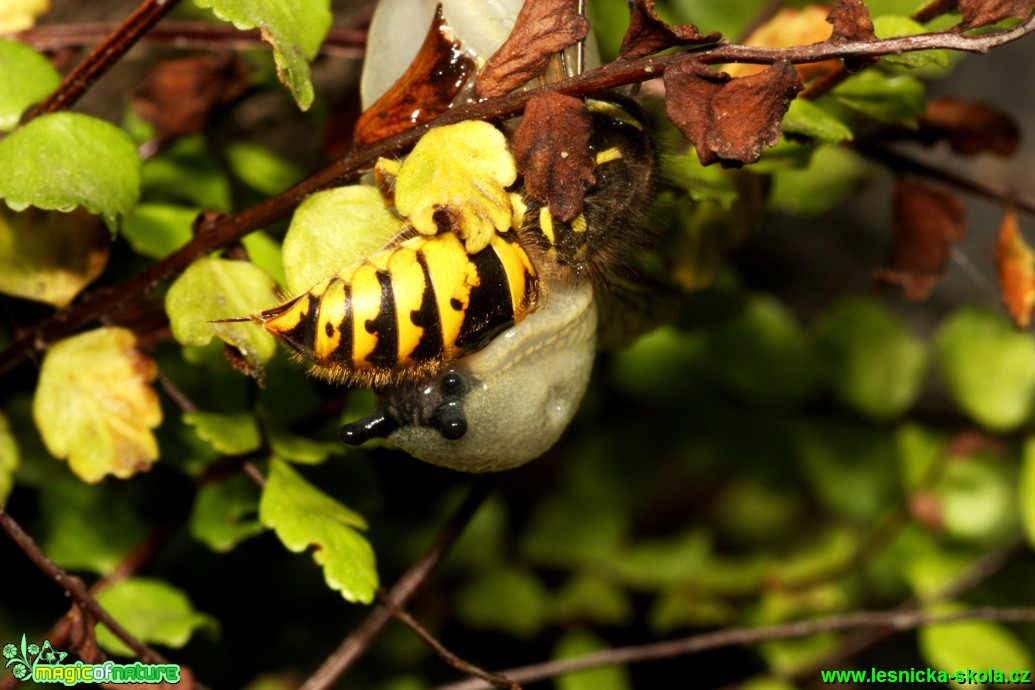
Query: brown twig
point(75, 588)
point(348, 43)
point(830, 80)
point(103, 56)
point(933, 10)
point(768, 11)
point(219, 231)
point(904, 164)
point(440, 649)
point(357, 643)
point(895, 621)
point(983, 568)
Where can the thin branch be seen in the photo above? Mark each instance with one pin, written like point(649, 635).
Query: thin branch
point(934, 9)
point(75, 588)
point(103, 57)
point(902, 163)
point(826, 83)
point(218, 231)
point(983, 568)
point(896, 621)
point(768, 11)
point(357, 643)
point(440, 649)
point(880, 538)
point(348, 43)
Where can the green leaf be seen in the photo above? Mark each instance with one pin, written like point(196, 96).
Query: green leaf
point(334, 229)
point(767, 683)
point(94, 405)
point(303, 516)
point(214, 288)
point(579, 643)
point(260, 168)
point(49, 257)
point(226, 513)
point(588, 598)
point(155, 612)
point(25, 78)
point(186, 173)
point(988, 366)
point(891, 99)
point(976, 497)
point(1026, 490)
point(850, 466)
point(979, 645)
point(300, 449)
point(65, 160)
point(157, 230)
point(661, 563)
point(703, 183)
point(812, 120)
point(295, 29)
point(919, 450)
point(877, 365)
point(87, 527)
point(507, 599)
point(682, 607)
point(659, 365)
point(729, 18)
point(265, 252)
point(484, 541)
point(569, 533)
point(230, 434)
point(833, 174)
point(890, 26)
point(8, 459)
point(762, 355)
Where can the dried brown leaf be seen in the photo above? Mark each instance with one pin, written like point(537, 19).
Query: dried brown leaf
point(971, 127)
point(551, 146)
point(927, 221)
point(1015, 264)
point(984, 12)
point(647, 34)
point(181, 93)
point(542, 28)
point(424, 91)
point(729, 120)
point(851, 21)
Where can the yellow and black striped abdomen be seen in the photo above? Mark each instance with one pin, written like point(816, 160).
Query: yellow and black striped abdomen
point(398, 315)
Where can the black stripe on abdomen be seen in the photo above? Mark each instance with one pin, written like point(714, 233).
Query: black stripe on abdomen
point(489, 308)
point(428, 318)
point(385, 354)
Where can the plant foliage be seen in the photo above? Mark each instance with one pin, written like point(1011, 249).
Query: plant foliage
point(788, 434)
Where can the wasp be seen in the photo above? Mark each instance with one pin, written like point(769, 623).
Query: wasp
point(479, 342)
point(401, 315)
point(396, 316)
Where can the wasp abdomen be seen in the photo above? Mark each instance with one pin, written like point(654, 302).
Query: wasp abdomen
point(398, 315)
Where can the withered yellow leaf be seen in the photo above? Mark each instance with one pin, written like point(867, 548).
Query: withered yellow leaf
point(789, 27)
point(17, 15)
point(1015, 263)
point(456, 179)
point(94, 405)
point(49, 256)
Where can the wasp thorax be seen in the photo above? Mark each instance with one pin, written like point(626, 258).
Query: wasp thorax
point(502, 406)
